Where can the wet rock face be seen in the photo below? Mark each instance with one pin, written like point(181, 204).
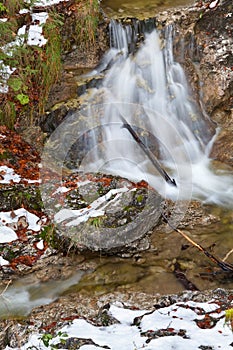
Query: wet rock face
point(213, 33)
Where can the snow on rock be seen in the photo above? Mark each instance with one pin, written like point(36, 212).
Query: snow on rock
point(95, 209)
point(3, 262)
point(213, 4)
point(13, 217)
point(7, 175)
point(119, 313)
point(7, 235)
point(40, 244)
point(48, 2)
point(174, 327)
point(35, 36)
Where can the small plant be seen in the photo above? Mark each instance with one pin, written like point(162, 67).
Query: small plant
point(15, 83)
point(48, 235)
point(36, 69)
point(97, 221)
point(139, 198)
point(12, 6)
point(3, 8)
point(23, 99)
point(47, 337)
point(8, 113)
point(229, 318)
point(50, 66)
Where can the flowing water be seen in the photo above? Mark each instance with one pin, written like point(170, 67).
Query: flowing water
point(149, 89)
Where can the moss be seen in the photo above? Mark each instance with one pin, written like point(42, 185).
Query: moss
point(48, 234)
point(97, 221)
point(4, 155)
point(17, 196)
point(139, 198)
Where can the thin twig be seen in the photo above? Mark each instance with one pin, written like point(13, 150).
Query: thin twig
point(227, 255)
point(223, 265)
point(5, 289)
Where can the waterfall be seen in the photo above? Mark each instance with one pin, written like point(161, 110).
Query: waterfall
point(149, 89)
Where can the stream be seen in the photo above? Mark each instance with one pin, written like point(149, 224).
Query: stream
point(139, 8)
point(149, 89)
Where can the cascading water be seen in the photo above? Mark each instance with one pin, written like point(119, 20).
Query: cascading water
point(149, 89)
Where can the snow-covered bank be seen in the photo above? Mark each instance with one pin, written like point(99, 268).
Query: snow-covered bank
point(192, 325)
point(34, 34)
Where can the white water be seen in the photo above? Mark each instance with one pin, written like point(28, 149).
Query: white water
point(151, 91)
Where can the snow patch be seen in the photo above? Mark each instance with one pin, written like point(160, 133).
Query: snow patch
point(8, 175)
point(42, 3)
point(5, 72)
point(125, 336)
point(7, 235)
point(40, 244)
point(10, 217)
point(3, 262)
point(95, 209)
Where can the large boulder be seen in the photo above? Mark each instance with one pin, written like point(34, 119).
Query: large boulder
point(102, 212)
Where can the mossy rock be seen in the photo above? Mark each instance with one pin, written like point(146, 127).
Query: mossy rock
point(106, 213)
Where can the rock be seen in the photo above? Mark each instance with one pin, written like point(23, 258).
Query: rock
point(213, 33)
point(222, 148)
point(104, 213)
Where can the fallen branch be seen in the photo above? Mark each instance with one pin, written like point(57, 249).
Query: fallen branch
point(149, 154)
point(223, 265)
